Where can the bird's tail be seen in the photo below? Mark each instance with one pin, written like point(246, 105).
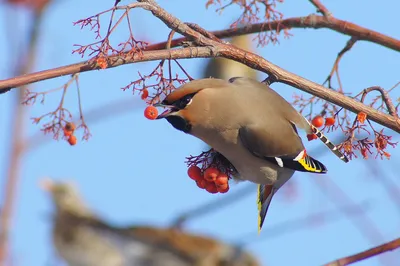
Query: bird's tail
point(264, 197)
point(305, 163)
point(329, 144)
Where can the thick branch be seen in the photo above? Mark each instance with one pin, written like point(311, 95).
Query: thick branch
point(366, 254)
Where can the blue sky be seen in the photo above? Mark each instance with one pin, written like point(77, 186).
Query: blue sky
point(132, 170)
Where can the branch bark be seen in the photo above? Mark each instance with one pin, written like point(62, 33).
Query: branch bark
point(385, 98)
point(309, 22)
point(389, 246)
point(321, 8)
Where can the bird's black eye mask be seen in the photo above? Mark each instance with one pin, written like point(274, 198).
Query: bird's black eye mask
point(182, 102)
point(176, 121)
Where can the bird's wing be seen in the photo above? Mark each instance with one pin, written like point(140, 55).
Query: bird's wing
point(281, 107)
point(278, 149)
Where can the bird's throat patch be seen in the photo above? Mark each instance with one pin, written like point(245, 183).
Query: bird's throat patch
point(179, 123)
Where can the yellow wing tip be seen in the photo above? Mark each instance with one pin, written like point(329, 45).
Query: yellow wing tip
point(308, 167)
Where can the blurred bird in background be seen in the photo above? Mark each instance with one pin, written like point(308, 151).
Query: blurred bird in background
point(225, 68)
point(83, 239)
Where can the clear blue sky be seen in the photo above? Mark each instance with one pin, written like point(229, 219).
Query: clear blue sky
point(129, 159)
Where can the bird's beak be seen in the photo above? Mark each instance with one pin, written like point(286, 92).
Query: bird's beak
point(169, 109)
point(46, 184)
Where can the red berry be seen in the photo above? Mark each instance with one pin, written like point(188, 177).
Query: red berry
point(311, 137)
point(202, 183)
point(194, 173)
point(211, 188)
point(72, 140)
point(67, 133)
point(223, 188)
point(70, 126)
point(330, 121)
point(151, 112)
point(318, 121)
point(145, 94)
point(69, 129)
point(221, 179)
point(210, 174)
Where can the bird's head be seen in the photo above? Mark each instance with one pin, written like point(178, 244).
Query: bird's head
point(65, 196)
point(185, 105)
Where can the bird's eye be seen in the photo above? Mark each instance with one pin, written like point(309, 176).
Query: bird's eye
point(185, 101)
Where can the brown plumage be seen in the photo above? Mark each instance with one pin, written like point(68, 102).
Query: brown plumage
point(250, 124)
point(193, 87)
point(83, 239)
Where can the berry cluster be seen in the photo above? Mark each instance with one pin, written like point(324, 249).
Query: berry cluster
point(212, 180)
point(69, 133)
point(319, 121)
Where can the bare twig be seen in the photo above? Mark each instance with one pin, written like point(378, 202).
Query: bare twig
point(385, 98)
point(389, 246)
point(335, 67)
point(321, 8)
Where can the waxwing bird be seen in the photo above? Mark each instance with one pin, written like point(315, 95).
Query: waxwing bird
point(251, 125)
point(81, 238)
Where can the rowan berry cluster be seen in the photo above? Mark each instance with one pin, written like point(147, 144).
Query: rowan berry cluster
point(319, 121)
point(212, 180)
point(69, 130)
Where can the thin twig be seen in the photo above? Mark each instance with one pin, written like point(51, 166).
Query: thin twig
point(385, 98)
point(350, 43)
point(321, 8)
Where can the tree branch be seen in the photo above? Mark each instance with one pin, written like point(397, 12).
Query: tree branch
point(309, 22)
point(212, 49)
point(385, 98)
point(389, 246)
point(321, 8)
